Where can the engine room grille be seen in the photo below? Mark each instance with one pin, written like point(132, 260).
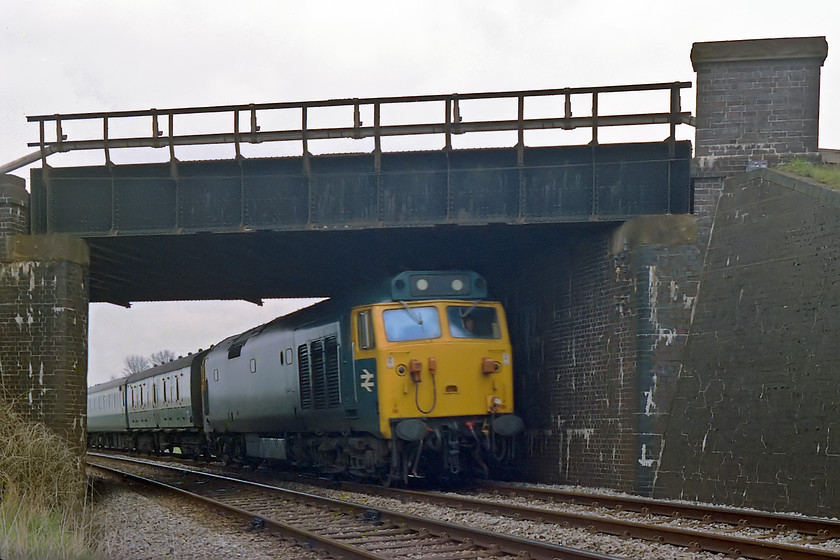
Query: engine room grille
point(319, 375)
point(305, 377)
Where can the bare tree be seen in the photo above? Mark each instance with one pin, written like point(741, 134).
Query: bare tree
point(161, 357)
point(135, 363)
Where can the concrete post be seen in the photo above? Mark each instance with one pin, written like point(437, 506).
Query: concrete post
point(43, 319)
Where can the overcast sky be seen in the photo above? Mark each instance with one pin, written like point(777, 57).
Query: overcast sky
point(106, 55)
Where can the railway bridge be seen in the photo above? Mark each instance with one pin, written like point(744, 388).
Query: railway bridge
point(315, 223)
point(595, 247)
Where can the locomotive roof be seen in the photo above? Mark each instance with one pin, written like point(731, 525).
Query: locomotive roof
point(377, 292)
point(330, 310)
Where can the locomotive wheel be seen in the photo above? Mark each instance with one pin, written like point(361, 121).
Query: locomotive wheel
point(386, 479)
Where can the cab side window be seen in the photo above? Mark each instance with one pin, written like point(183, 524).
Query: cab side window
point(364, 326)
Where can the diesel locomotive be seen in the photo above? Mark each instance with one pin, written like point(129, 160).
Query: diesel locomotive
point(411, 378)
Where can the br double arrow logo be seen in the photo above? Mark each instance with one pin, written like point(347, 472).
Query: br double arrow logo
point(367, 380)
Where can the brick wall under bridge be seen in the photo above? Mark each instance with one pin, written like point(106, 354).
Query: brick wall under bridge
point(600, 320)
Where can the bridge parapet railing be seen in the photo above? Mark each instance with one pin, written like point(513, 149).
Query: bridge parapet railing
point(245, 122)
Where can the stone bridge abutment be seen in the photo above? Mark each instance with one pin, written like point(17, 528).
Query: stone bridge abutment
point(43, 319)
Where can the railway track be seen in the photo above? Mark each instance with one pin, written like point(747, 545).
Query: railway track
point(339, 528)
point(695, 527)
point(658, 521)
point(816, 529)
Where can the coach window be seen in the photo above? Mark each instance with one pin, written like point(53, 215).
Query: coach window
point(164, 390)
point(177, 389)
point(141, 395)
point(253, 365)
point(364, 325)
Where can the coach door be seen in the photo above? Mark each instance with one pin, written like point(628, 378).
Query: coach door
point(205, 398)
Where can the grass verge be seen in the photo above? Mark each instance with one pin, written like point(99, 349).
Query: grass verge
point(43, 504)
point(826, 174)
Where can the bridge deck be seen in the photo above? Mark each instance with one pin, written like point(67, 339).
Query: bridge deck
point(145, 222)
point(566, 184)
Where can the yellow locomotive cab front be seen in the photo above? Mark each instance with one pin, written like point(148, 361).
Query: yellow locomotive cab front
point(437, 359)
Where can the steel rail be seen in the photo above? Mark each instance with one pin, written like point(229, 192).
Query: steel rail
point(823, 528)
point(507, 544)
point(303, 537)
point(690, 538)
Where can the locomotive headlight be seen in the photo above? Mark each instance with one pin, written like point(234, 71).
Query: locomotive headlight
point(488, 366)
point(401, 369)
point(422, 284)
point(457, 285)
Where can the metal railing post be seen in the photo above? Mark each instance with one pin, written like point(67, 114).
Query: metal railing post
point(453, 123)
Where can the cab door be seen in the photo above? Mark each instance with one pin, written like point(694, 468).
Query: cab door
point(365, 369)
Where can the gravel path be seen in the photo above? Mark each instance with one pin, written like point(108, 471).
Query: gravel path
point(130, 525)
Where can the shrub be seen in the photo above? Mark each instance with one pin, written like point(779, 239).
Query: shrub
point(42, 492)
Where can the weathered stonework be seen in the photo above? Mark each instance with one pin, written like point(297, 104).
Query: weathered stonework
point(662, 254)
point(756, 417)
point(757, 105)
point(576, 362)
point(756, 100)
point(43, 320)
point(603, 334)
point(14, 209)
point(604, 327)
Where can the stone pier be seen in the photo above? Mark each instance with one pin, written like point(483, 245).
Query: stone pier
point(43, 319)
